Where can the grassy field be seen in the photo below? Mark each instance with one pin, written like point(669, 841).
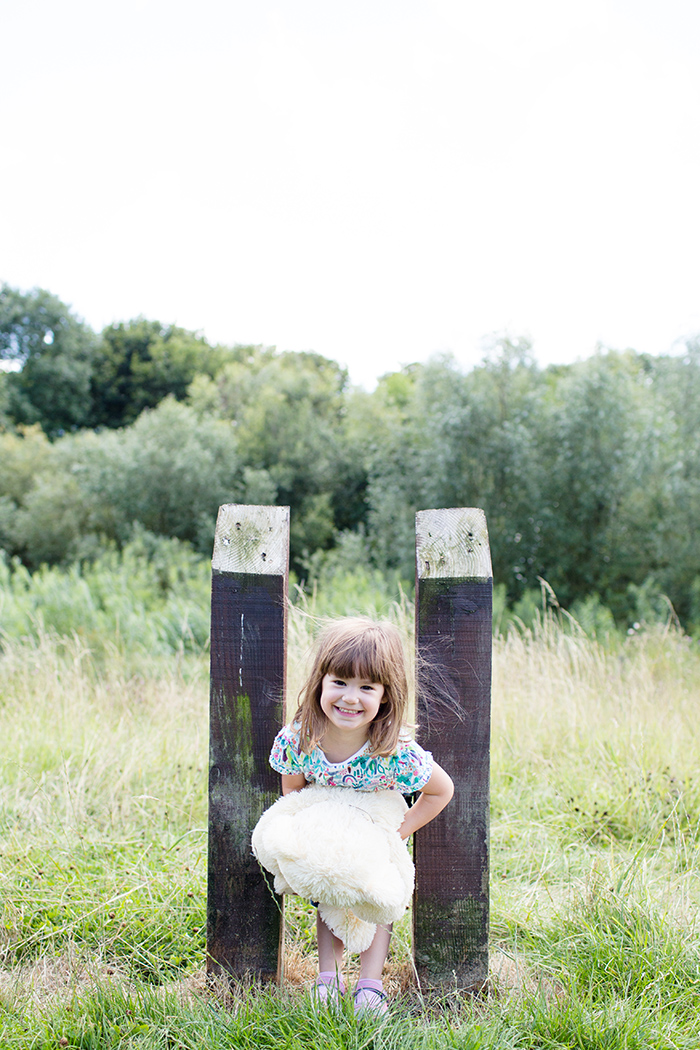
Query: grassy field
point(595, 856)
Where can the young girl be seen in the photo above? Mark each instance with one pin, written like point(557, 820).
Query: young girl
point(348, 731)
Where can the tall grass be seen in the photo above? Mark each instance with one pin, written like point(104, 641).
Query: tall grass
point(595, 814)
point(596, 751)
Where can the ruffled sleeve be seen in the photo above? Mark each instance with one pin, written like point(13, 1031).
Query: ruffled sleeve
point(284, 756)
point(415, 767)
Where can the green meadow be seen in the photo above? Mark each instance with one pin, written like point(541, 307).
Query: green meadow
point(595, 937)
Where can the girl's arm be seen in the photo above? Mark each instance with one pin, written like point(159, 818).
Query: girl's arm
point(292, 782)
point(433, 798)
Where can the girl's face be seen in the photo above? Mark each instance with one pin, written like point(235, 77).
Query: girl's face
point(350, 703)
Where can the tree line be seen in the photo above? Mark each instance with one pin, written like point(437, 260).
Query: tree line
point(589, 473)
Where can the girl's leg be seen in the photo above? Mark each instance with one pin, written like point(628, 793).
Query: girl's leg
point(330, 948)
point(329, 982)
point(370, 997)
point(372, 961)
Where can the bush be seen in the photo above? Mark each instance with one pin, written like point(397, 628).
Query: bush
point(153, 596)
point(169, 473)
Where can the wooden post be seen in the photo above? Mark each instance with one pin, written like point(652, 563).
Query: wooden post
point(248, 664)
point(453, 633)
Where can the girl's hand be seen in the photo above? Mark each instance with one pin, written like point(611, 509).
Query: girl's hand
point(433, 798)
point(292, 782)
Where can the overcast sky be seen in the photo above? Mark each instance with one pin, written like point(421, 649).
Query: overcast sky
point(375, 180)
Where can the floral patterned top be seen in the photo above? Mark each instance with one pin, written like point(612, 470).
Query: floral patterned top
point(409, 769)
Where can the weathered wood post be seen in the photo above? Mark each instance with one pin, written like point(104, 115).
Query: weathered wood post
point(248, 663)
point(453, 634)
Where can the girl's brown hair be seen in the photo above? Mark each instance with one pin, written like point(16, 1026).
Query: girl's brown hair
point(357, 647)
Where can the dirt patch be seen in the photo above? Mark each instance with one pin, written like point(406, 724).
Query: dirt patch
point(511, 976)
point(56, 979)
point(61, 979)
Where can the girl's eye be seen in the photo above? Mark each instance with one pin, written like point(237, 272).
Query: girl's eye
point(338, 681)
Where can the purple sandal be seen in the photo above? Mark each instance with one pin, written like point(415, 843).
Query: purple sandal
point(329, 987)
point(370, 998)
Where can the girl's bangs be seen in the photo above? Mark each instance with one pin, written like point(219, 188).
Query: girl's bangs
point(358, 658)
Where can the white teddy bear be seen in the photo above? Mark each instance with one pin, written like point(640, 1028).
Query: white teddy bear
point(341, 848)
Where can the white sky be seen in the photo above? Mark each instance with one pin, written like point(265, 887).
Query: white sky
point(371, 179)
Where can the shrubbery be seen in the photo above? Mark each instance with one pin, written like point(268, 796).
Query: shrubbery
point(150, 597)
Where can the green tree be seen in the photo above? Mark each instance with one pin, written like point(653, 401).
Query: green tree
point(604, 478)
point(141, 362)
point(387, 427)
point(170, 471)
point(441, 438)
point(168, 474)
point(489, 442)
point(24, 455)
point(589, 474)
point(676, 426)
point(52, 350)
point(288, 411)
